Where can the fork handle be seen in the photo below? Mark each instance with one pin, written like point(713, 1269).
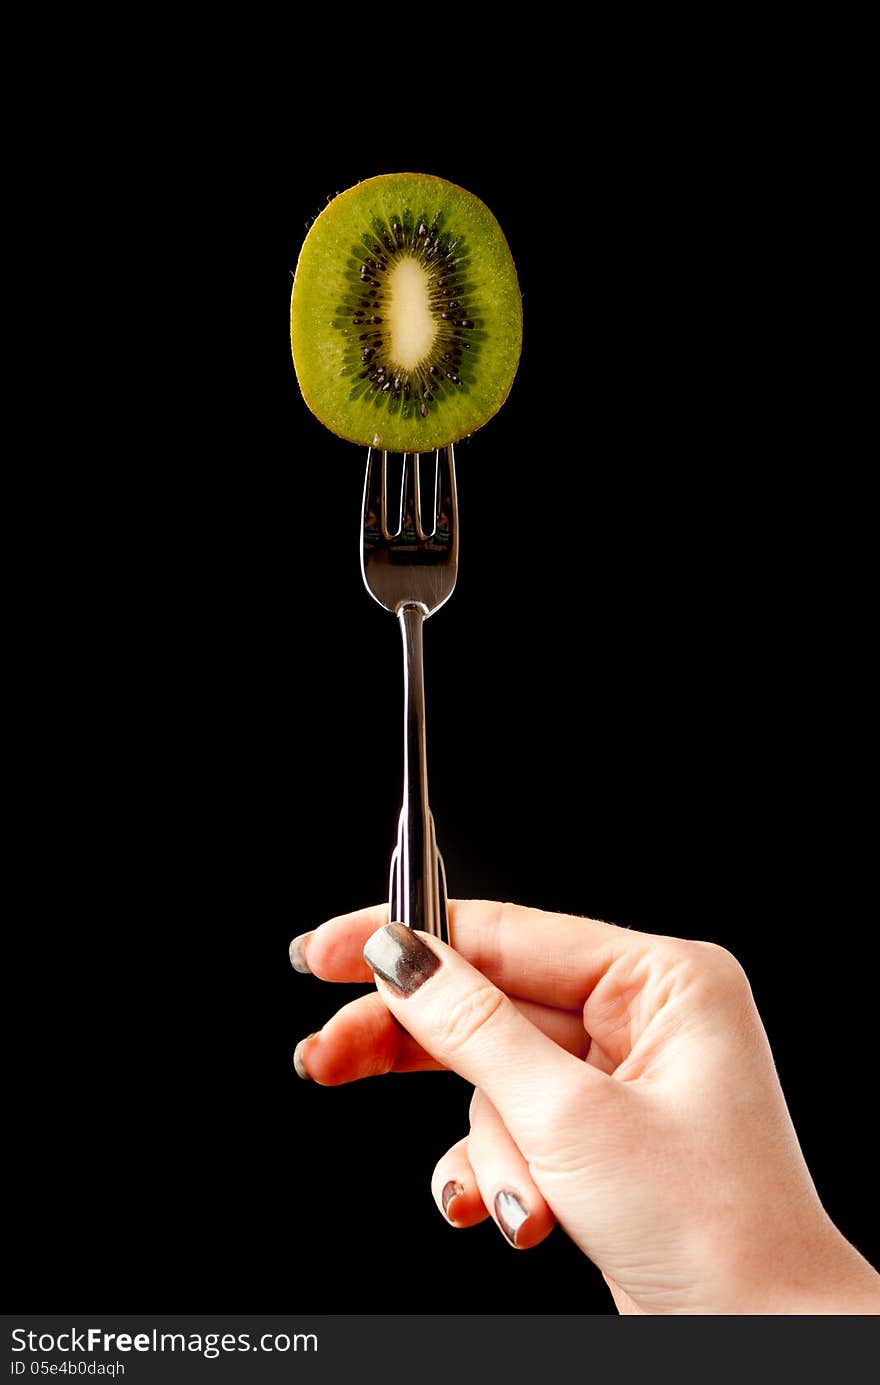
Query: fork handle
point(418, 884)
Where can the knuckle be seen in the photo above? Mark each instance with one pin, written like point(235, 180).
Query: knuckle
point(468, 1015)
point(720, 971)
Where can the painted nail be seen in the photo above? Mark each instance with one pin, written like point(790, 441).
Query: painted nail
point(299, 1060)
point(298, 956)
point(511, 1213)
point(451, 1191)
point(400, 957)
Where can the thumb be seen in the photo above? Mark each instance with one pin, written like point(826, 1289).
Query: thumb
point(471, 1026)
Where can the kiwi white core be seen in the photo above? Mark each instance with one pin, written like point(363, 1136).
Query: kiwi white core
point(411, 327)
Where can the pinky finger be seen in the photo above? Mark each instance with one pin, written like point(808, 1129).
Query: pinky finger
point(454, 1188)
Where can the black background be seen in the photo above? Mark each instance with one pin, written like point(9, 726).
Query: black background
point(642, 700)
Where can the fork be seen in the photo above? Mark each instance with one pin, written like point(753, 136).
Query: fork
point(411, 570)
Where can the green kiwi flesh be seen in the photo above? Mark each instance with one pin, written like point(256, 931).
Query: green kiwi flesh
point(406, 315)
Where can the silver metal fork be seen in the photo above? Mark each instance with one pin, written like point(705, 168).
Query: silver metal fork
point(410, 568)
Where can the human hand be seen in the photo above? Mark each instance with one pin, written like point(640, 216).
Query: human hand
point(624, 1088)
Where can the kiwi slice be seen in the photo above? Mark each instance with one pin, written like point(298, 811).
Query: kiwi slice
point(406, 316)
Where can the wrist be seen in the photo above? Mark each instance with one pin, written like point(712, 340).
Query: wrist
point(815, 1274)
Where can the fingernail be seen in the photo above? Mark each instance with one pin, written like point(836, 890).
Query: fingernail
point(511, 1213)
point(451, 1191)
point(299, 1060)
point(298, 956)
point(400, 957)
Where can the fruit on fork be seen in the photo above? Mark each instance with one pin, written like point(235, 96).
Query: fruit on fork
point(406, 315)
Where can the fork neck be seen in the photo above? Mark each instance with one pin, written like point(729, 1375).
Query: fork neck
point(415, 758)
point(416, 884)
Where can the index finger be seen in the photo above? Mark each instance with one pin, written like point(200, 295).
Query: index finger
point(555, 959)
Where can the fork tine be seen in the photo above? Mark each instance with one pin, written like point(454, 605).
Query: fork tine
point(435, 508)
point(405, 496)
point(435, 499)
point(373, 510)
point(417, 492)
point(411, 497)
point(446, 493)
point(387, 531)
